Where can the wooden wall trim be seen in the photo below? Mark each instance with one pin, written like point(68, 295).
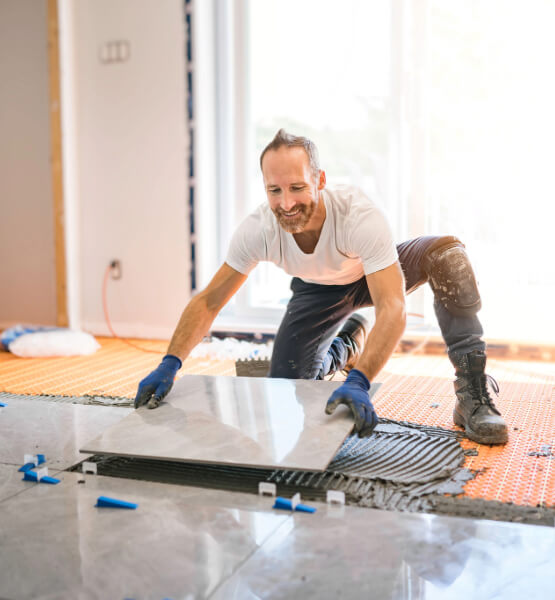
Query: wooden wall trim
point(56, 162)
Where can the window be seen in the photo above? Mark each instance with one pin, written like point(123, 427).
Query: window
point(315, 69)
point(441, 110)
point(491, 126)
point(321, 70)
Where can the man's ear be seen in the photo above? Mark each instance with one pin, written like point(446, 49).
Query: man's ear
point(322, 180)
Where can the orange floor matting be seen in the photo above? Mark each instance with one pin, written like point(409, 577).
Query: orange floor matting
point(114, 370)
point(415, 388)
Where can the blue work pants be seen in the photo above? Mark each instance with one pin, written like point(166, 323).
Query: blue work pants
point(306, 346)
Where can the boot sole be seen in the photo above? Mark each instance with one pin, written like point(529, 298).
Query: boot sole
point(500, 438)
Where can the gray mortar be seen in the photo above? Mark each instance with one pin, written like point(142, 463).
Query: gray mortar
point(545, 451)
point(476, 508)
point(85, 399)
point(252, 367)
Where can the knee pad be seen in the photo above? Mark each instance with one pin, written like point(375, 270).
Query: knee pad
point(452, 278)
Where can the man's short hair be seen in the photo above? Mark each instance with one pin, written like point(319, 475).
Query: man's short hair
point(282, 138)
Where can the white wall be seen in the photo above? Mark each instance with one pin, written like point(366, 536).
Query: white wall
point(27, 268)
point(125, 154)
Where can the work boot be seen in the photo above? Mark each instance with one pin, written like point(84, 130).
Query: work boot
point(474, 409)
point(353, 333)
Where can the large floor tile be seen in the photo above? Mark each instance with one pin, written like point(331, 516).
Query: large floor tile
point(178, 543)
point(54, 429)
point(11, 481)
point(363, 553)
point(235, 420)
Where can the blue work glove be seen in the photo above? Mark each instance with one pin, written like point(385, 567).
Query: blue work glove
point(154, 387)
point(354, 394)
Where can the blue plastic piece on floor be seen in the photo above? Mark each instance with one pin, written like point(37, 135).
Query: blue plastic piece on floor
point(305, 508)
point(114, 503)
point(32, 476)
point(283, 503)
point(3, 404)
point(286, 504)
point(26, 467)
point(41, 458)
point(48, 479)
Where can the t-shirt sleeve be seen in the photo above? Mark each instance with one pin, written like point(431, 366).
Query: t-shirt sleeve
point(371, 238)
point(247, 247)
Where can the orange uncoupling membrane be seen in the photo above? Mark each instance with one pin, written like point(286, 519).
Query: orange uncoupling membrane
point(114, 370)
point(420, 389)
point(416, 388)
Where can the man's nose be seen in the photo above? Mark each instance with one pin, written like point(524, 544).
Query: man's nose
point(287, 202)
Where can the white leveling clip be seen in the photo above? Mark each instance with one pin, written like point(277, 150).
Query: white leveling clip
point(335, 497)
point(266, 489)
point(89, 467)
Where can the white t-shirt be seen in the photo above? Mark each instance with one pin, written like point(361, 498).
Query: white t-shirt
point(355, 240)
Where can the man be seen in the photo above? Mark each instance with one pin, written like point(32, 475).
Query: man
point(339, 249)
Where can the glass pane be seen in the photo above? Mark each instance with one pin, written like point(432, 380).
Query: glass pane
point(320, 69)
point(491, 105)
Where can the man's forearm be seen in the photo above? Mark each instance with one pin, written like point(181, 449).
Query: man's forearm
point(193, 325)
point(382, 339)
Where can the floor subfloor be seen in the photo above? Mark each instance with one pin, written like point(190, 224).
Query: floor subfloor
point(187, 542)
point(415, 388)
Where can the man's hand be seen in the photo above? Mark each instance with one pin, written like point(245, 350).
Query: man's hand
point(154, 387)
point(354, 394)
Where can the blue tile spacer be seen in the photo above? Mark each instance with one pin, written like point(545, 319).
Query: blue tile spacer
point(283, 503)
point(305, 508)
point(48, 479)
point(41, 458)
point(104, 501)
point(30, 476)
point(26, 467)
point(286, 504)
point(2, 404)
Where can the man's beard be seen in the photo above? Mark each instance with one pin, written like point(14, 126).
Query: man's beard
point(299, 222)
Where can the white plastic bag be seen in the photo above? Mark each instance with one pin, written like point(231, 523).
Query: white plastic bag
point(58, 342)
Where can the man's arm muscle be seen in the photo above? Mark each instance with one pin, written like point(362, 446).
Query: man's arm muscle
point(201, 311)
point(387, 288)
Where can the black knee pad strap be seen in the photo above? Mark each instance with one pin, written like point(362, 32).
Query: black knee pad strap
point(452, 278)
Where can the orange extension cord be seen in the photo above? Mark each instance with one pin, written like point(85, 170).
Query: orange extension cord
point(107, 317)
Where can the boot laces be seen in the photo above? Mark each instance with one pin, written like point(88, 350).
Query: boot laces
point(482, 397)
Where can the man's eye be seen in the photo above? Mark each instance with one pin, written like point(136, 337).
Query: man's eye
point(297, 188)
point(275, 191)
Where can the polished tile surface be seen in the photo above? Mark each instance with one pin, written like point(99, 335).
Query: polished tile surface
point(178, 543)
point(54, 429)
point(363, 553)
point(190, 543)
point(235, 420)
point(11, 481)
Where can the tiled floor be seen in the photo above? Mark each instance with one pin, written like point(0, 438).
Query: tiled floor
point(186, 543)
point(56, 544)
point(57, 430)
point(379, 554)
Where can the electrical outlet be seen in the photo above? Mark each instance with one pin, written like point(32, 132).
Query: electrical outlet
point(114, 51)
point(115, 267)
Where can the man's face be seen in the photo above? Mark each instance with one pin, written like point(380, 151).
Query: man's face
point(291, 187)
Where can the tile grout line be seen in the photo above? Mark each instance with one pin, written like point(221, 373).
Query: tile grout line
point(249, 556)
point(54, 473)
